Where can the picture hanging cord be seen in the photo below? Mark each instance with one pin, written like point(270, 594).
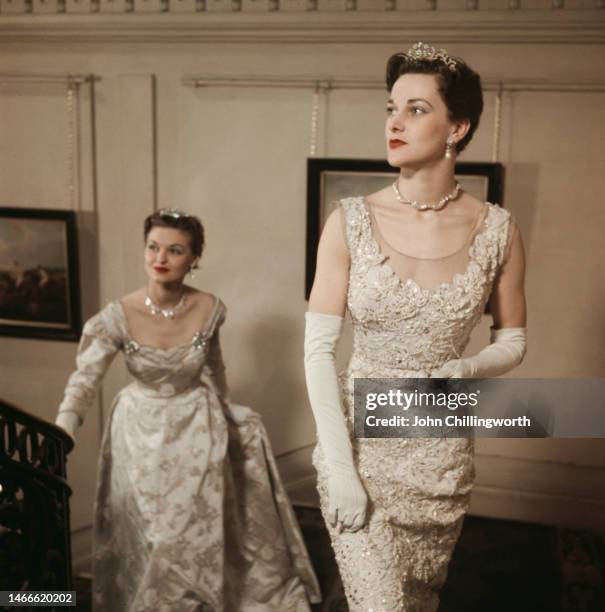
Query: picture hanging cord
point(319, 88)
point(497, 124)
point(73, 141)
point(314, 120)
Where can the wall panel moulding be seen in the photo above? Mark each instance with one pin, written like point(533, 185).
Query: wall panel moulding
point(222, 6)
point(493, 5)
point(585, 5)
point(148, 6)
point(254, 21)
point(114, 6)
point(415, 5)
point(329, 83)
point(47, 7)
point(537, 4)
point(337, 6)
point(451, 5)
point(183, 6)
point(295, 5)
point(80, 6)
point(259, 6)
point(374, 5)
point(14, 7)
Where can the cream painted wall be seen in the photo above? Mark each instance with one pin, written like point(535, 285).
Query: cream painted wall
point(237, 158)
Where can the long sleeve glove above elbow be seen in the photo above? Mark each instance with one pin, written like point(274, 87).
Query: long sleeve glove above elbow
point(347, 497)
point(506, 351)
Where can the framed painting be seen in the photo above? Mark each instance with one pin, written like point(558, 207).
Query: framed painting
point(329, 180)
point(39, 280)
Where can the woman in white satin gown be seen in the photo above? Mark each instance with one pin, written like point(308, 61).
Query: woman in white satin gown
point(415, 265)
point(190, 512)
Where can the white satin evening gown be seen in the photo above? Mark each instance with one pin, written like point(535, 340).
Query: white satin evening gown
point(190, 512)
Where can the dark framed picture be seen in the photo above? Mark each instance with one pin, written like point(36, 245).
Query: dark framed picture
point(329, 180)
point(39, 280)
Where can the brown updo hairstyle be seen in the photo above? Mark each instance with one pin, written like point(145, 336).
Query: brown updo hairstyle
point(460, 89)
point(176, 219)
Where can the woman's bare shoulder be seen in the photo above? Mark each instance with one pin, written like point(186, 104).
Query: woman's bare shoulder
point(134, 300)
point(200, 299)
point(471, 204)
point(381, 198)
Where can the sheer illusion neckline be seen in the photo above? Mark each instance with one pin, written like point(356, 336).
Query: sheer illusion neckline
point(203, 331)
point(479, 230)
point(468, 241)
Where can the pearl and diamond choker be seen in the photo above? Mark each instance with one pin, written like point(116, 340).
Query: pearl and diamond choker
point(423, 206)
point(167, 313)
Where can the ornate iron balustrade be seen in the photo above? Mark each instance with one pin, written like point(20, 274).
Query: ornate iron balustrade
point(35, 547)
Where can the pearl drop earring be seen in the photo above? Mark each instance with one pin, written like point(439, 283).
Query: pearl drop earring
point(449, 145)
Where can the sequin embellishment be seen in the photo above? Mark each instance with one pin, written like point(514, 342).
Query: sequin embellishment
point(200, 341)
point(131, 347)
point(419, 488)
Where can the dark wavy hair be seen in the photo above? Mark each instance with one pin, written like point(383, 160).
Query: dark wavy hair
point(188, 224)
point(460, 89)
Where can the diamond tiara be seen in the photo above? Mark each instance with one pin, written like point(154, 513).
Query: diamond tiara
point(175, 213)
point(423, 51)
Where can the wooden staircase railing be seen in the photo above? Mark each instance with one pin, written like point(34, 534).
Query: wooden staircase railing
point(35, 546)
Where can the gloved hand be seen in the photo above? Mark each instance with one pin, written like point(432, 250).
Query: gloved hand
point(506, 351)
point(347, 499)
point(347, 502)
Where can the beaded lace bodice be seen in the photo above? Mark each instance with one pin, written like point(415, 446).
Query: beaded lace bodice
point(401, 328)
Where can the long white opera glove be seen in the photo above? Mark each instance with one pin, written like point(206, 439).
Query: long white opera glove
point(347, 499)
point(505, 352)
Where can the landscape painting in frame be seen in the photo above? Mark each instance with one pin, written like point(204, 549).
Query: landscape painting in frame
point(329, 180)
point(39, 286)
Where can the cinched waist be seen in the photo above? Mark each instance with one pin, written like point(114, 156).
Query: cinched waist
point(373, 368)
point(382, 351)
point(161, 392)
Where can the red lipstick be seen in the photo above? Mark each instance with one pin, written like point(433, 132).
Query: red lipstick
point(160, 269)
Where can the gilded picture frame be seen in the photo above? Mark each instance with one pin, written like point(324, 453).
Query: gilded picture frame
point(39, 277)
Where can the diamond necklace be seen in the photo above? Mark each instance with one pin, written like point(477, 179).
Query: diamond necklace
point(167, 313)
point(422, 206)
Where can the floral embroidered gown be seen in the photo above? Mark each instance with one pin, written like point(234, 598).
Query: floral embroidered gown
point(190, 512)
point(418, 489)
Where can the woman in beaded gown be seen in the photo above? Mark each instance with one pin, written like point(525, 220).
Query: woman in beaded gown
point(190, 512)
point(415, 265)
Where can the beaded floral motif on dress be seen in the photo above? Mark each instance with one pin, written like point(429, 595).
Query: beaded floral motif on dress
point(418, 488)
point(422, 328)
point(185, 476)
